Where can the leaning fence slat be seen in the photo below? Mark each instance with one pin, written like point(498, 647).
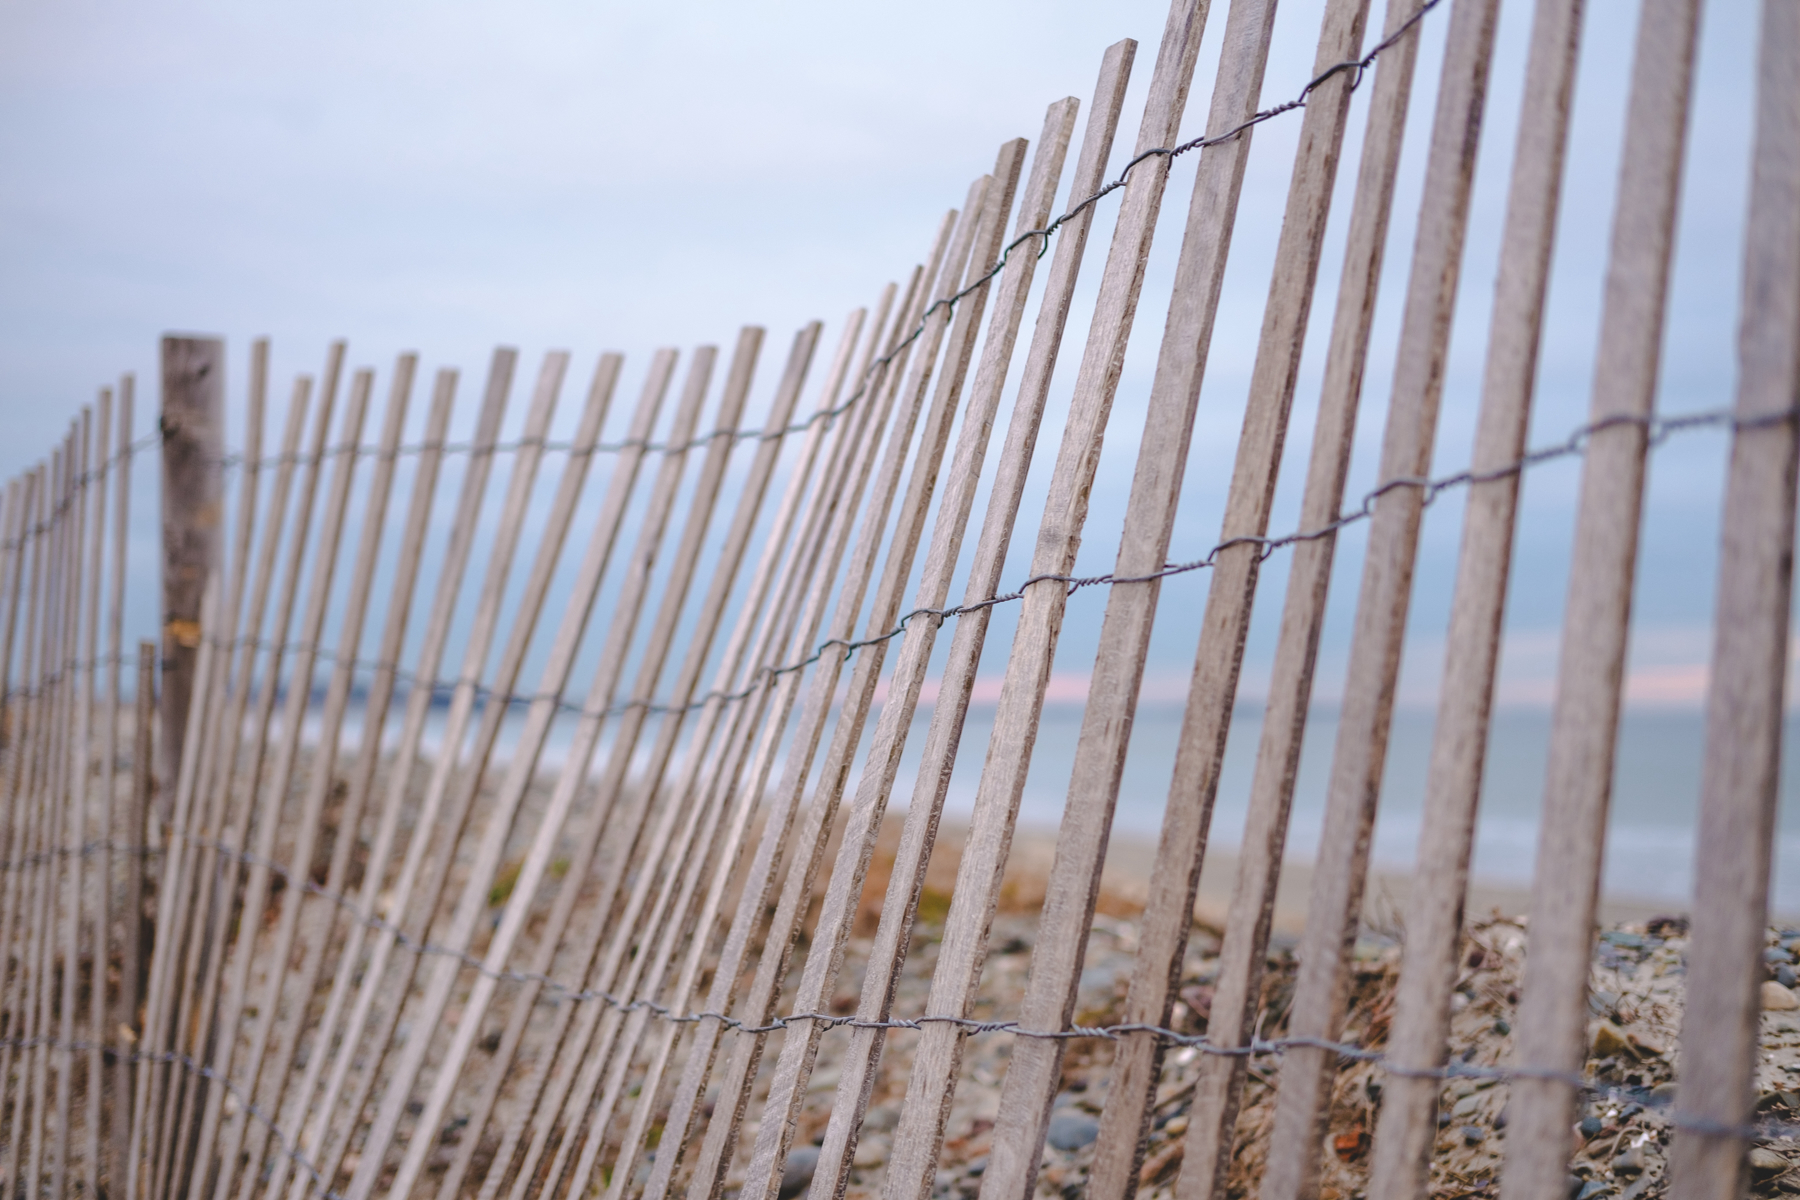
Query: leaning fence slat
point(859, 1059)
point(1219, 657)
point(978, 224)
point(272, 810)
point(741, 655)
point(585, 741)
point(693, 807)
point(988, 226)
point(1744, 710)
point(21, 724)
point(1630, 335)
point(937, 1060)
point(52, 780)
point(216, 892)
point(333, 1027)
point(131, 836)
point(99, 914)
point(20, 777)
point(1335, 906)
point(625, 612)
point(155, 1038)
point(1213, 1113)
point(73, 796)
point(446, 799)
point(317, 935)
point(818, 816)
point(321, 772)
point(1553, 1016)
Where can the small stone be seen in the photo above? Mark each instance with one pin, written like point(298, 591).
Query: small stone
point(1765, 1162)
point(1466, 1107)
point(1609, 1039)
point(801, 1162)
point(1777, 954)
point(1776, 998)
point(1474, 1135)
point(1072, 1130)
point(1785, 976)
point(1593, 1188)
point(1631, 1162)
point(1176, 1126)
point(1590, 1127)
point(1502, 1028)
point(1662, 1095)
point(1502, 1117)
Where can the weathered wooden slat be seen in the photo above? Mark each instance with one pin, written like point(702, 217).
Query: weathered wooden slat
point(768, 597)
point(156, 1036)
point(41, 1032)
point(803, 860)
point(1745, 701)
point(92, 791)
point(335, 1039)
point(199, 984)
point(1213, 1114)
point(585, 742)
point(320, 769)
point(1335, 906)
point(1643, 227)
point(130, 832)
point(625, 612)
point(860, 1057)
point(960, 957)
point(739, 789)
point(73, 885)
point(379, 696)
point(274, 813)
point(695, 804)
point(1552, 1021)
point(451, 790)
point(21, 772)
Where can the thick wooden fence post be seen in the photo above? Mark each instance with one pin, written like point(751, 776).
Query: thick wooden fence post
point(193, 428)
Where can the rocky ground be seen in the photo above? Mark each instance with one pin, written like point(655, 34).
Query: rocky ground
point(1623, 1138)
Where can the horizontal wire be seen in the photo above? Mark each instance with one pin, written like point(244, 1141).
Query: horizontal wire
point(1356, 68)
point(1657, 431)
point(173, 1058)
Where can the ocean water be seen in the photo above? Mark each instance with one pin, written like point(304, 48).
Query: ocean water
point(1650, 843)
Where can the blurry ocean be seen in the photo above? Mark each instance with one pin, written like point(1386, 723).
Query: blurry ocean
point(1650, 846)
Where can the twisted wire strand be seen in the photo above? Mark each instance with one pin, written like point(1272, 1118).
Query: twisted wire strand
point(1357, 68)
point(1657, 431)
point(193, 1066)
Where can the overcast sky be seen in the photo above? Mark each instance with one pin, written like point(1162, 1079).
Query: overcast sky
point(446, 176)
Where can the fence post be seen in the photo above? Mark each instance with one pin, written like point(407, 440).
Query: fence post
point(193, 427)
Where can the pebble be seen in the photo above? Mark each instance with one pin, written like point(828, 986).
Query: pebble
point(1072, 1131)
point(1474, 1135)
point(1764, 1161)
point(1776, 998)
point(1609, 1039)
point(798, 1177)
point(1786, 976)
point(1629, 1163)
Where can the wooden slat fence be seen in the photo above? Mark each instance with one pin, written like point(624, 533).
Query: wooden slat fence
point(309, 910)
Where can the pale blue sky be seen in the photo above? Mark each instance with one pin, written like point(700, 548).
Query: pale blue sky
point(446, 176)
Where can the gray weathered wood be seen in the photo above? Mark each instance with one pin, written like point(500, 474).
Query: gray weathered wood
point(1335, 907)
point(337, 1034)
point(1744, 707)
point(193, 501)
point(1553, 1016)
point(1212, 1116)
point(936, 1062)
point(1421, 1024)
